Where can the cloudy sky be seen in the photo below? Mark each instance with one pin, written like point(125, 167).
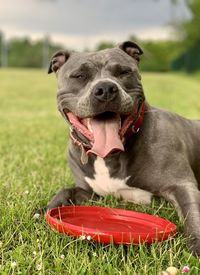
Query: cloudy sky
point(80, 24)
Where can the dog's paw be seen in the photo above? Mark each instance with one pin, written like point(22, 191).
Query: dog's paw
point(195, 246)
point(70, 196)
point(38, 213)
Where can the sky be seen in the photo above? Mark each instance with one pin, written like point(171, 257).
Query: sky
point(81, 24)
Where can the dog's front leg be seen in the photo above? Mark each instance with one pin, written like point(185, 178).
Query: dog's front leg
point(70, 196)
point(186, 198)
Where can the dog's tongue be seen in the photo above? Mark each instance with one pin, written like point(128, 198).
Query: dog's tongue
point(106, 136)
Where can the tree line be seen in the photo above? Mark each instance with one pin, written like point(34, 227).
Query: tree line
point(23, 52)
point(159, 56)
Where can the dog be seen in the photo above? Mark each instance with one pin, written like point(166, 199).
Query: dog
point(121, 145)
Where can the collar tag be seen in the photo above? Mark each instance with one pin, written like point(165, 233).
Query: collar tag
point(135, 130)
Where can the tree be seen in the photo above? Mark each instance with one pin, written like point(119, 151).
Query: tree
point(3, 51)
point(104, 45)
point(189, 30)
point(22, 52)
point(190, 27)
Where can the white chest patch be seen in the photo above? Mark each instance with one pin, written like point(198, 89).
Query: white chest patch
point(103, 184)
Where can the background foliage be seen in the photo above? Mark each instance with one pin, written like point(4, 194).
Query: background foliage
point(182, 53)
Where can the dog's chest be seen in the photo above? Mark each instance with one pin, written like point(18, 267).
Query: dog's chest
point(103, 184)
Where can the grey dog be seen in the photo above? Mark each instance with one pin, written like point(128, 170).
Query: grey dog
point(119, 144)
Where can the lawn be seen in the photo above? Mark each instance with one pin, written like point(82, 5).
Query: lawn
point(33, 139)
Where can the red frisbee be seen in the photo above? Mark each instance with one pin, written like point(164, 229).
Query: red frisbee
point(110, 225)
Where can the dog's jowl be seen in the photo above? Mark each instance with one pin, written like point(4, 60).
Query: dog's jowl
point(121, 145)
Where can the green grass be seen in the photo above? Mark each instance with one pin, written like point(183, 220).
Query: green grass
point(33, 139)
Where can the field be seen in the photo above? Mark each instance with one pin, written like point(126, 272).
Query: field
point(33, 139)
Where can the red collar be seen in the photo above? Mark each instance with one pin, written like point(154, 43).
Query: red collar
point(134, 121)
point(132, 125)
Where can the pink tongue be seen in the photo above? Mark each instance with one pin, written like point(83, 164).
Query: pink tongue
point(106, 136)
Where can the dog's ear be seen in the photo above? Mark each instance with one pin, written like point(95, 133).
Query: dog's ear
point(57, 60)
point(132, 49)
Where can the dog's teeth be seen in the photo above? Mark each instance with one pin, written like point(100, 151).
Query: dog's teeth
point(89, 126)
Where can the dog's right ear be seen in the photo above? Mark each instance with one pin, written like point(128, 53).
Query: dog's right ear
point(57, 60)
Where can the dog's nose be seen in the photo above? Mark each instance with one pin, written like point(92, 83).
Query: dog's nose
point(105, 91)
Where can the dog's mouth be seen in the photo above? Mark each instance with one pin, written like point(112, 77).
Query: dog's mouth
point(107, 131)
point(103, 132)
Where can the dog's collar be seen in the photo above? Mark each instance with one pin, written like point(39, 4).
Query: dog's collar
point(134, 121)
point(132, 126)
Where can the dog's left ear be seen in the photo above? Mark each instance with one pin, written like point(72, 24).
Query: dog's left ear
point(57, 60)
point(132, 49)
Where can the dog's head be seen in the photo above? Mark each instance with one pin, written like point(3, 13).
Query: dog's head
point(99, 89)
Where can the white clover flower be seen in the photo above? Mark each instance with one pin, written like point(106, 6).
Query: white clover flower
point(36, 216)
point(89, 238)
point(62, 256)
point(39, 266)
point(13, 264)
point(34, 253)
point(172, 270)
point(83, 237)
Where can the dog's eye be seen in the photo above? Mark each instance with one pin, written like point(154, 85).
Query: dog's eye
point(125, 72)
point(78, 76)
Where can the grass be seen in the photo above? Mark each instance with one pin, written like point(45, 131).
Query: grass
point(33, 140)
